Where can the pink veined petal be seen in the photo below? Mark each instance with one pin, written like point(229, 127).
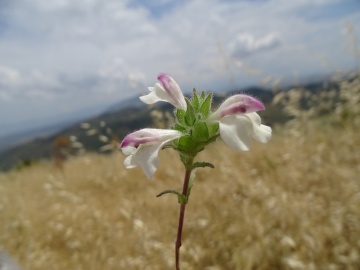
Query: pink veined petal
point(245, 99)
point(148, 136)
point(237, 105)
point(167, 90)
point(142, 148)
point(235, 132)
point(173, 89)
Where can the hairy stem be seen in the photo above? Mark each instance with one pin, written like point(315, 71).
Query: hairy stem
point(181, 219)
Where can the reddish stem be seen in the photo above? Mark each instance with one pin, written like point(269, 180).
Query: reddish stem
point(181, 220)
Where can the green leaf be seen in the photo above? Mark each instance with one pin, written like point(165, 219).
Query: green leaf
point(195, 100)
point(212, 139)
point(167, 192)
point(180, 115)
point(206, 106)
point(186, 144)
point(213, 129)
point(202, 165)
point(189, 116)
point(182, 199)
point(179, 127)
point(200, 132)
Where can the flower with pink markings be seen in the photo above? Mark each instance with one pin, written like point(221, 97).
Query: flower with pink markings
point(167, 90)
point(195, 127)
point(142, 148)
point(239, 122)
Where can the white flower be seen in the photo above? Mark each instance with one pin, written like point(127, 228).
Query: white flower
point(239, 122)
point(142, 148)
point(167, 90)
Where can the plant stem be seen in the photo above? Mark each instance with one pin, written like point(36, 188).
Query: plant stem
point(181, 219)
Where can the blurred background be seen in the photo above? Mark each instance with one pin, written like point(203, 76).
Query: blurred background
point(70, 76)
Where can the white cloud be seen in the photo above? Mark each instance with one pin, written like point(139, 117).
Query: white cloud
point(246, 44)
point(9, 78)
point(117, 74)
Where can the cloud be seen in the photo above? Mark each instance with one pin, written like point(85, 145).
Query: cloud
point(17, 85)
point(9, 78)
point(246, 44)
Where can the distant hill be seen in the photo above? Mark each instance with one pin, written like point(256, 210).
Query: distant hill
point(14, 134)
point(17, 138)
point(119, 120)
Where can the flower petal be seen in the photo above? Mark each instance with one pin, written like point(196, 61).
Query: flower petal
point(146, 157)
point(173, 89)
point(157, 93)
point(148, 136)
point(260, 132)
point(167, 90)
point(142, 148)
point(128, 163)
point(235, 132)
point(128, 150)
point(237, 104)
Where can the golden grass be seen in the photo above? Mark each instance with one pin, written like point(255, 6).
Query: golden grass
point(293, 203)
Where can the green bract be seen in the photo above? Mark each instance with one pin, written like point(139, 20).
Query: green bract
point(193, 123)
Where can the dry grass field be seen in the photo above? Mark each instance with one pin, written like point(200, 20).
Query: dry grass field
point(293, 203)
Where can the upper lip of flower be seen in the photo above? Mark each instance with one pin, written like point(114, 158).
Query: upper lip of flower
point(173, 89)
point(237, 104)
point(148, 136)
point(136, 141)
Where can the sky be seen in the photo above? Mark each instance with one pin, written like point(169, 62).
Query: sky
point(65, 58)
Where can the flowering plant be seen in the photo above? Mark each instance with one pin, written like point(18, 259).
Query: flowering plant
point(196, 126)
